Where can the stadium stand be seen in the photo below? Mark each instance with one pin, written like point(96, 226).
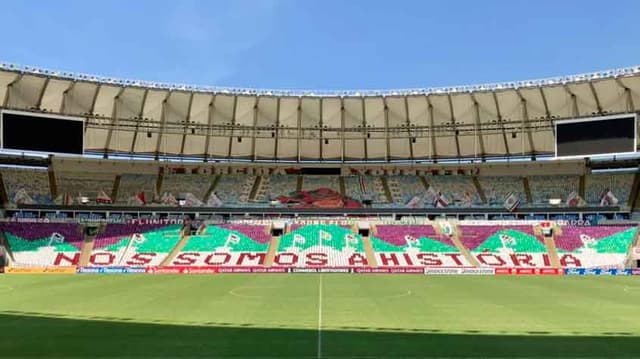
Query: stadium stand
point(132, 185)
point(497, 189)
point(544, 188)
point(457, 190)
point(134, 244)
point(365, 188)
point(27, 185)
point(226, 245)
point(39, 244)
point(619, 184)
point(234, 190)
point(196, 184)
point(320, 245)
point(405, 188)
point(505, 246)
point(88, 184)
point(274, 186)
point(601, 246)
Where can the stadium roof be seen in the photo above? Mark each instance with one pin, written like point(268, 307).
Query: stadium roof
point(147, 118)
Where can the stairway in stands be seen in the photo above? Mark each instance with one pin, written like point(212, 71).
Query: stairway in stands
point(184, 238)
point(87, 248)
point(271, 252)
point(456, 241)
point(368, 251)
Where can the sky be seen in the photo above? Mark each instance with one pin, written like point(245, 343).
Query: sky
point(322, 44)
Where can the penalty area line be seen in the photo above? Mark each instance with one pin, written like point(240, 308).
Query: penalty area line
point(320, 318)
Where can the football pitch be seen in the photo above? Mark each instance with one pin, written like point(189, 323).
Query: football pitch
point(318, 315)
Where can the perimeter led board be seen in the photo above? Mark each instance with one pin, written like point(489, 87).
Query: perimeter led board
point(23, 131)
point(606, 135)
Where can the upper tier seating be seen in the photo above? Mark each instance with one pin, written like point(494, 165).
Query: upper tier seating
point(86, 183)
point(35, 182)
point(274, 186)
point(132, 184)
point(544, 188)
point(197, 184)
point(619, 184)
point(310, 183)
point(458, 190)
point(234, 190)
point(404, 188)
point(496, 189)
point(363, 188)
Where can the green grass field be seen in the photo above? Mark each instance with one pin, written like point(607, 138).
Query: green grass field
point(318, 315)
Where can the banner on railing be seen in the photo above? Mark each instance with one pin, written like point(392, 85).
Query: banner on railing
point(40, 270)
point(597, 271)
point(111, 270)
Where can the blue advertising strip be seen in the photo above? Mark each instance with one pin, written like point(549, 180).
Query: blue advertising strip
point(598, 271)
point(110, 270)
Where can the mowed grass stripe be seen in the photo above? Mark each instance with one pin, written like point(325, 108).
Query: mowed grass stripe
point(278, 316)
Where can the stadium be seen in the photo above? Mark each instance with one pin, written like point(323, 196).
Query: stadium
point(150, 219)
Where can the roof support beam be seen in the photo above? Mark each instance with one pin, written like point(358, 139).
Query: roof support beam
point(163, 125)
point(187, 124)
point(277, 130)
point(387, 141)
point(408, 123)
point(574, 101)
point(207, 140)
point(525, 117)
point(65, 95)
point(595, 97)
point(7, 95)
point(454, 125)
point(255, 124)
point(501, 123)
point(300, 130)
point(477, 126)
point(233, 125)
point(342, 114)
point(321, 125)
point(138, 120)
point(365, 129)
point(114, 121)
point(433, 153)
point(42, 91)
point(547, 112)
point(90, 114)
point(629, 99)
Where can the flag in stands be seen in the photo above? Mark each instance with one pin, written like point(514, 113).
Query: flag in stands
point(351, 240)
point(324, 236)
point(411, 241)
point(574, 200)
point(608, 199)
point(441, 201)
point(103, 198)
point(56, 238)
point(233, 239)
point(22, 197)
point(511, 202)
point(141, 197)
point(298, 240)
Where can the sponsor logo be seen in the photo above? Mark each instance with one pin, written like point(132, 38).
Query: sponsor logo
point(40, 270)
point(635, 271)
point(442, 271)
point(478, 271)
